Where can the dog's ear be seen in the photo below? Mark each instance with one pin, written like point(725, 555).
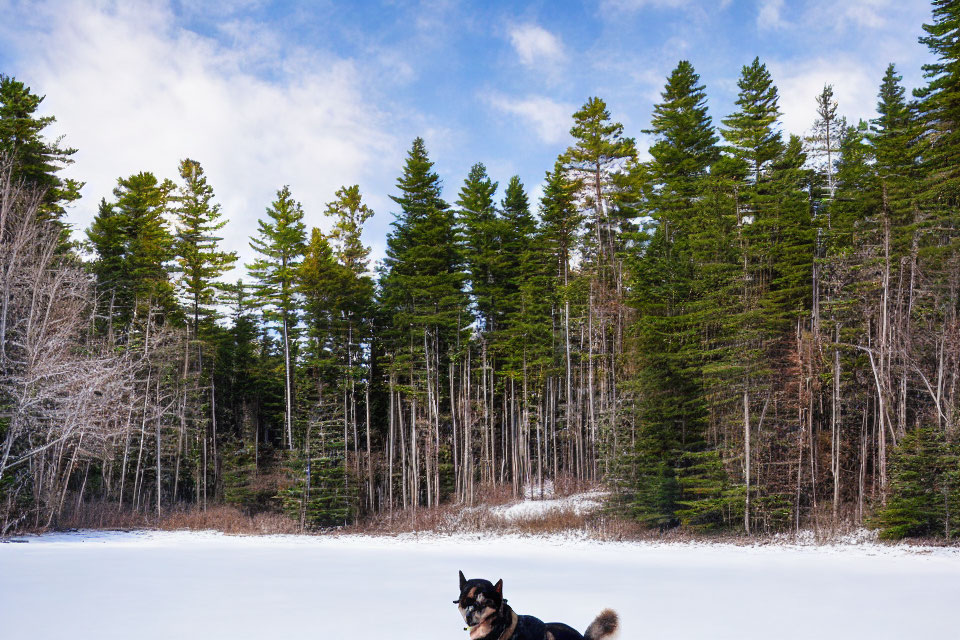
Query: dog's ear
point(463, 581)
point(499, 587)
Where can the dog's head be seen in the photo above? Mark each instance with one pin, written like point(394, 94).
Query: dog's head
point(479, 603)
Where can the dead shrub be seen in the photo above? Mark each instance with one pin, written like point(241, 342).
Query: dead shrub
point(224, 518)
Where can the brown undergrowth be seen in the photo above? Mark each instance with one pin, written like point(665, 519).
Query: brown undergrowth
point(492, 516)
point(225, 518)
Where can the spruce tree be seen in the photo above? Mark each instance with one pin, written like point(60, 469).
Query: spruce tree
point(515, 262)
point(422, 294)
point(751, 132)
point(924, 491)
point(423, 283)
point(350, 213)
point(37, 161)
point(281, 241)
point(481, 245)
point(939, 104)
point(599, 151)
point(134, 248)
point(201, 262)
point(667, 291)
point(774, 243)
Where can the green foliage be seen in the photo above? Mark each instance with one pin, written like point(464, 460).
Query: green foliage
point(707, 502)
point(560, 220)
point(243, 486)
point(924, 493)
point(481, 244)
point(939, 105)
point(281, 241)
point(422, 286)
point(199, 260)
point(320, 490)
point(134, 249)
point(37, 161)
point(753, 139)
point(600, 150)
point(670, 295)
point(350, 214)
point(529, 289)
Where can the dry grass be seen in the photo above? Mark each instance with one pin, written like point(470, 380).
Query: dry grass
point(225, 518)
point(484, 518)
point(452, 518)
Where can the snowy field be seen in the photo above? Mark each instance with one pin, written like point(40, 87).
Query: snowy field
point(155, 585)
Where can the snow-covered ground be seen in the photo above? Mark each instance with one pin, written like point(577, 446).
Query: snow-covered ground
point(156, 585)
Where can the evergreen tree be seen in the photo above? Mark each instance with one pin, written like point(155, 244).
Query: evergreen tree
point(939, 104)
point(924, 488)
point(516, 231)
point(37, 161)
point(323, 493)
point(356, 326)
point(824, 140)
point(422, 285)
point(134, 248)
point(560, 232)
point(350, 214)
point(281, 242)
point(481, 245)
point(774, 241)
point(667, 291)
point(751, 133)
point(599, 151)
point(519, 262)
point(201, 263)
point(422, 294)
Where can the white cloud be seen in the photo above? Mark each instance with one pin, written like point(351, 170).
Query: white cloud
point(550, 120)
point(637, 5)
point(536, 46)
point(865, 13)
point(769, 15)
point(632, 6)
point(134, 91)
point(854, 84)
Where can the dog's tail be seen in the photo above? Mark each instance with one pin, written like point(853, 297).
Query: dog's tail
point(603, 627)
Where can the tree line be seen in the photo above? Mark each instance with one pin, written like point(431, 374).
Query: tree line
point(745, 331)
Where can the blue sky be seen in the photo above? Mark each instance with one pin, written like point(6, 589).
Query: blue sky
point(320, 94)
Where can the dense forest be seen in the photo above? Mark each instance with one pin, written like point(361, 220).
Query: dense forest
point(747, 331)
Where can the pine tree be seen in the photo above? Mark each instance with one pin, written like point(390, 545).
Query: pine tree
point(599, 151)
point(281, 242)
point(422, 293)
point(356, 325)
point(823, 143)
point(666, 288)
point(37, 161)
point(134, 248)
point(201, 263)
point(481, 245)
point(924, 492)
point(350, 214)
point(774, 243)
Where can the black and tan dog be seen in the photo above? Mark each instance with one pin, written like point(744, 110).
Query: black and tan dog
point(489, 617)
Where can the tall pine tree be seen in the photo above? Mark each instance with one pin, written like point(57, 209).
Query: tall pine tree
point(281, 241)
